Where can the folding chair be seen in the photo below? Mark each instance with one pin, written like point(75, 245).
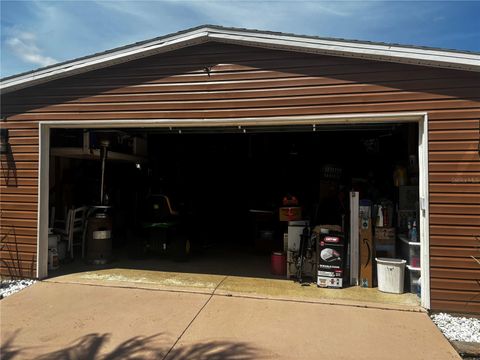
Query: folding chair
point(75, 228)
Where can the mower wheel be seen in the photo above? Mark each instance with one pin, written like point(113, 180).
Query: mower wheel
point(180, 249)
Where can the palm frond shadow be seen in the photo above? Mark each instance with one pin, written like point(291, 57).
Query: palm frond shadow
point(94, 346)
point(8, 349)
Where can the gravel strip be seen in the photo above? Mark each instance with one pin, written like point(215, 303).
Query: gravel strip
point(457, 328)
point(9, 287)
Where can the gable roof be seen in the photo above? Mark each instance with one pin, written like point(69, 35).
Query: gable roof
point(416, 55)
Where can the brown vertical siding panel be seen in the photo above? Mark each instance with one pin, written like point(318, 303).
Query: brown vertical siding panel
point(455, 209)
point(18, 254)
point(257, 82)
point(461, 274)
point(24, 248)
point(8, 214)
point(19, 231)
point(450, 241)
point(471, 145)
point(455, 198)
point(456, 295)
point(454, 188)
point(185, 111)
point(456, 306)
point(18, 206)
point(450, 251)
point(4, 181)
point(454, 125)
point(9, 190)
point(464, 262)
point(28, 241)
point(18, 200)
point(454, 219)
point(453, 284)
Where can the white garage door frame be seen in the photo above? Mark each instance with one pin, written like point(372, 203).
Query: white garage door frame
point(417, 117)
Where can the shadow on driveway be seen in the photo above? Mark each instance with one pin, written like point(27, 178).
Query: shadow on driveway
point(91, 346)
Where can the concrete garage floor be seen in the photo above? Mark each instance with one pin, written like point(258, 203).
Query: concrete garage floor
point(231, 273)
point(78, 321)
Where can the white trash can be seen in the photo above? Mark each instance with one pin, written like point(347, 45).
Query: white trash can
point(390, 275)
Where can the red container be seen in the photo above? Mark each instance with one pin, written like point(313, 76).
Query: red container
point(279, 263)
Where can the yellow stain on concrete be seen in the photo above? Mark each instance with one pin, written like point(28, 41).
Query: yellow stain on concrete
point(146, 279)
point(291, 290)
point(236, 285)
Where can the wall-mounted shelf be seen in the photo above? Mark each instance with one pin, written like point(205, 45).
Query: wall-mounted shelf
point(94, 154)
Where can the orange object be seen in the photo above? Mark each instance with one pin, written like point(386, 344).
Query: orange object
point(290, 201)
point(400, 176)
point(290, 213)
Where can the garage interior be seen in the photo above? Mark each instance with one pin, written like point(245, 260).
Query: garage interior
point(209, 200)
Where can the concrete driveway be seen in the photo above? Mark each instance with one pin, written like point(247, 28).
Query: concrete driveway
point(81, 321)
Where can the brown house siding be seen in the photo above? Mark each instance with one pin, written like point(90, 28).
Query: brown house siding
point(252, 82)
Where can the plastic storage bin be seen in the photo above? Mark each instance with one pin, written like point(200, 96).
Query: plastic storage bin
point(410, 250)
point(415, 286)
point(390, 275)
point(414, 254)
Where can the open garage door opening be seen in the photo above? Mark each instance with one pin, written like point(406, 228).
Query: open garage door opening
point(222, 200)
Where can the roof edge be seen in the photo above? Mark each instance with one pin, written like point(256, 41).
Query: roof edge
point(279, 41)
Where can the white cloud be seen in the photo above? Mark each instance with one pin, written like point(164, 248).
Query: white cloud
point(253, 14)
point(23, 45)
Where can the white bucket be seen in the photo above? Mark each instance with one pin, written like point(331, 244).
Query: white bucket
point(52, 240)
point(295, 231)
point(390, 274)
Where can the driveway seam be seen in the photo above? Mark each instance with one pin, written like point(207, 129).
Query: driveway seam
point(194, 318)
point(130, 287)
point(237, 295)
point(320, 302)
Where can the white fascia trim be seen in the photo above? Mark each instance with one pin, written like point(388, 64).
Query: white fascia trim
point(425, 57)
point(101, 61)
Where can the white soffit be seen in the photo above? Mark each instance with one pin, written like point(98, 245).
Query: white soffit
point(354, 49)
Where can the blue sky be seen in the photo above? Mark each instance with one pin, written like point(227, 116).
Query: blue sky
point(39, 33)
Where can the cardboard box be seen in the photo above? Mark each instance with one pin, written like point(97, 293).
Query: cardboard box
point(290, 213)
point(366, 245)
point(331, 259)
point(329, 282)
point(385, 236)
